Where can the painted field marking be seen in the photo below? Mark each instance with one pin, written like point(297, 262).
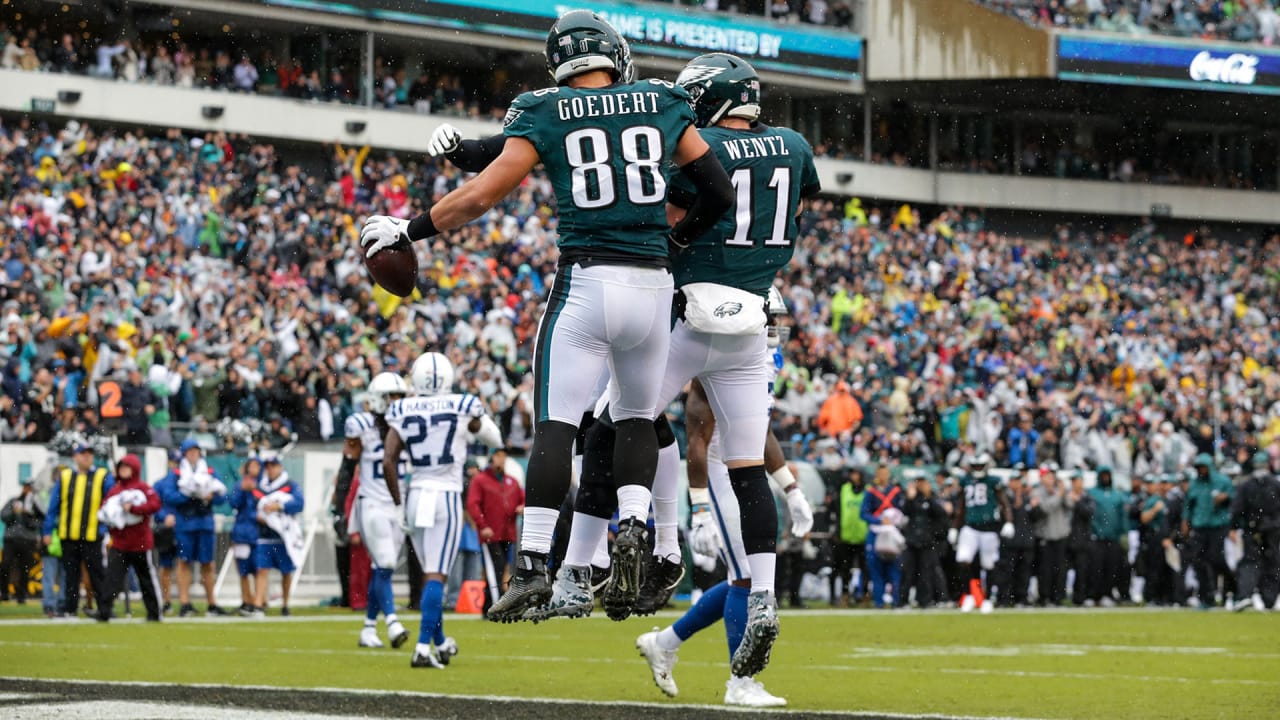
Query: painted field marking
point(510, 699)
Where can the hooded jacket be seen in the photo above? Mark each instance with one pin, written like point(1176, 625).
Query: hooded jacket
point(1110, 515)
point(1202, 510)
point(1256, 507)
point(134, 538)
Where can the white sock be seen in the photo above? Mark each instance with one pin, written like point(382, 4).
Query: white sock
point(633, 502)
point(370, 624)
point(668, 640)
point(422, 648)
point(762, 565)
point(585, 538)
point(601, 557)
point(539, 526)
point(666, 505)
point(391, 619)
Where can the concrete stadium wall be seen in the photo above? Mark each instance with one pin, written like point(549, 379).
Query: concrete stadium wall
point(259, 115)
point(1047, 194)
point(951, 40)
point(406, 131)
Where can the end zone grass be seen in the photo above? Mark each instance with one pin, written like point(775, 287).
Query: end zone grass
point(1131, 664)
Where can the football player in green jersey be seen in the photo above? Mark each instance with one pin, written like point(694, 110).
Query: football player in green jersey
point(608, 147)
point(719, 337)
point(984, 512)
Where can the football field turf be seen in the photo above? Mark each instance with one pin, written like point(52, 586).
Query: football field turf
point(1056, 664)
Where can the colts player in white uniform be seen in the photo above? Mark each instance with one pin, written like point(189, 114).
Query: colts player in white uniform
point(713, 506)
point(374, 517)
point(432, 427)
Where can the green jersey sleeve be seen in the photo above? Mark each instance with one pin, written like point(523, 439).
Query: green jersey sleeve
point(521, 119)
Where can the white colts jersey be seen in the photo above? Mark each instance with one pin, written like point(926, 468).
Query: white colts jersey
point(373, 481)
point(434, 431)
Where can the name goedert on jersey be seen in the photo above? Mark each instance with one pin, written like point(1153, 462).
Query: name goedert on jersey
point(754, 147)
point(608, 104)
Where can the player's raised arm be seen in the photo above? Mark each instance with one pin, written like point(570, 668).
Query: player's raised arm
point(391, 449)
point(466, 155)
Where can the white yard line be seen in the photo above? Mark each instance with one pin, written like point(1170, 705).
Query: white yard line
point(515, 700)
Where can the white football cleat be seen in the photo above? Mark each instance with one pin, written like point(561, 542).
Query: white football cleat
point(967, 604)
point(397, 634)
point(446, 650)
point(987, 607)
point(748, 692)
point(660, 661)
point(369, 638)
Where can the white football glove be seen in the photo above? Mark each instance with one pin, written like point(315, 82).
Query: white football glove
point(1007, 531)
point(801, 513)
point(704, 538)
point(406, 527)
point(953, 535)
point(381, 232)
point(444, 140)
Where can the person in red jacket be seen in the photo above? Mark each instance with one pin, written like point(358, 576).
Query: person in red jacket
point(494, 500)
point(131, 535)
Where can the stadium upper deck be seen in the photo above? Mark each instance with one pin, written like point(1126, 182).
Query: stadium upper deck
point(928, 101)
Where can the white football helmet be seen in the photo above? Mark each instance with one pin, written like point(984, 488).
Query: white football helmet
point(432, 374)
point(381, 388)
point(978, 463)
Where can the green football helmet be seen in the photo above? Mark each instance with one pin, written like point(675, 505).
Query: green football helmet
point(721, 85)
point(581, 41)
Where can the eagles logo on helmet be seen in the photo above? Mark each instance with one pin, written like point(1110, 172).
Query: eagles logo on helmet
point(719, 86)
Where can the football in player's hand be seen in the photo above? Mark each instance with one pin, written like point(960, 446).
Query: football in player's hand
point(395, 268)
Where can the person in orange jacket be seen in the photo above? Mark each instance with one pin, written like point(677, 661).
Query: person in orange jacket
point(840, 412)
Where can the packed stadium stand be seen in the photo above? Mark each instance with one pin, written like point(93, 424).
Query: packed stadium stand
point(1022, 226)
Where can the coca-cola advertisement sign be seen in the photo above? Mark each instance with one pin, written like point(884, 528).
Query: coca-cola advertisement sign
point(1237, 68)
point(1161, 62)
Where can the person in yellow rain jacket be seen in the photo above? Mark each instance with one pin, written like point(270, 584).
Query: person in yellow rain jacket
point(73, 512)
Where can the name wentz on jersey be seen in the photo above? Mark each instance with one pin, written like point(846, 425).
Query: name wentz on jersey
point(606, 150)
point(772, 170)
point(434, 431)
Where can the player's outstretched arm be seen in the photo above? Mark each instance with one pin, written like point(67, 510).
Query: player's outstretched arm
point(477, 196)
point(466, 155)
point(391, 449)
point(459, 207)
point(714, 190)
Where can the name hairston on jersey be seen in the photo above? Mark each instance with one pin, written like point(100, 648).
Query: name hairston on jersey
point(419, 405)
point(608, 104)
point(755, 147)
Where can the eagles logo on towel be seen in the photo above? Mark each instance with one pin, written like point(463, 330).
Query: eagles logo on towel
point(728, 309)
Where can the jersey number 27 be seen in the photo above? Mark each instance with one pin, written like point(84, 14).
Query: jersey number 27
point(422, 439)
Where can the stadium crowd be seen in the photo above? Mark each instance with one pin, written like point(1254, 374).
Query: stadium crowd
point(1249, 21)
point(212, 277)
point(238, 67)
point(148, 256)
